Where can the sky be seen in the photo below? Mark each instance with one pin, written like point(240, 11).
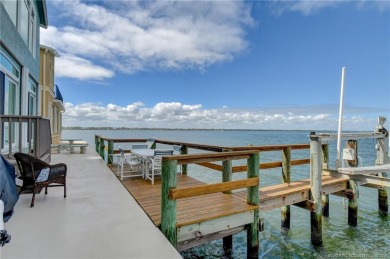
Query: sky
point(221, 64)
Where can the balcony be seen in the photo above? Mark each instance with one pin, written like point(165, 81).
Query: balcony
point(58, 100)
point(27, 134)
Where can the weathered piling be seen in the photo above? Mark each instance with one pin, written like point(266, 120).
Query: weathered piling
point(325, 165)
point(97, 143)
point(286, 172)
point(110, 152)
point(227, 170)
point(253, 198)
point(354, 198)
point(383, 202)
point(382, 157)
point(101, 147)
point(168, 206)
point(316, 190)
point(353, 203)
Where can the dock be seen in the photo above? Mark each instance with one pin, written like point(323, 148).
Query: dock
point(196, 210)
point(190, 212)
point(220, 204)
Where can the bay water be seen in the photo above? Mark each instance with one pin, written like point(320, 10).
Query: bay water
point(370, 239)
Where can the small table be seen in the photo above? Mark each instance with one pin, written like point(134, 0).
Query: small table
point(71, 142)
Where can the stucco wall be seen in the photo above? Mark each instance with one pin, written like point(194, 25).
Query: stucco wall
point(13, 42)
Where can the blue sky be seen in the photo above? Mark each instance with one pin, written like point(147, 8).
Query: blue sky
point(221, 64)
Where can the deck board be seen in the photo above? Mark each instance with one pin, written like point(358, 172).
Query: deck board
point(275, 196)
point(189, 210)
point(211, 206)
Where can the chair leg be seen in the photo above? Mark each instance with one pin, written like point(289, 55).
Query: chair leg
point(65, 188)
point(33, 198)
point(45, 190)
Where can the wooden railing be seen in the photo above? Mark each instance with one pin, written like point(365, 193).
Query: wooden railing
point(170, 192)
point(27, 134)
point(102, 141)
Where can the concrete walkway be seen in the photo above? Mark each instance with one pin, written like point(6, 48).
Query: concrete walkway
point(98, 219)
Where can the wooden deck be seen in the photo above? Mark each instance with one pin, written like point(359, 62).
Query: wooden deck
point(276, 196)
point(189, 210)
point(212, 206)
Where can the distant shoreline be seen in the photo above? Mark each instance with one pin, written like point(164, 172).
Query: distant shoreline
point(186, 129)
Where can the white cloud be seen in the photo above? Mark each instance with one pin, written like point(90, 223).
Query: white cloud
point(178, 115)
point(131, 36)
point(76, 67)
point(309, 7)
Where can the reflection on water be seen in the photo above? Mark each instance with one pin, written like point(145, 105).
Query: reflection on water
point(371, 239)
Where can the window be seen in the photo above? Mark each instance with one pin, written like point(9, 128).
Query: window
point(52, 118)
point(12, 9)
point(32, 97)
point(11, 86)
point(6, 63)
point(32, 32)
point(11, 103)
point(9, 94)
point(23, 15)
point(24, 21)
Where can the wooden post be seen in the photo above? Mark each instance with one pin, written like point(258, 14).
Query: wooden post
point(286, 172)
point(325, 165)
point(227, 170)
point(227, 177)
point(383, 202)
point(101, 148)
point(253, 198)
point(168, 207)
point(316, 189)
point(184, 151)
point(97, 143)
point(354, 198)
point(382, 158)
point(228, 245)
point(110, 152)
point(353, 203)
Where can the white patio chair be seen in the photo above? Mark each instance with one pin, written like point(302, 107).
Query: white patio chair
point(117, 159)
point(155, 164)
point(128, 164)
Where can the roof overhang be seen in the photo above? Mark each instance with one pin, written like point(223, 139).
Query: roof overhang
point(41, 4)
point(60, 106)
point(51, 50)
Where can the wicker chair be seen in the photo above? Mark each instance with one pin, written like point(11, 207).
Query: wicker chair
point(30, 169)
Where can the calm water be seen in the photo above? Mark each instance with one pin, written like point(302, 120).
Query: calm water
point(371, 239)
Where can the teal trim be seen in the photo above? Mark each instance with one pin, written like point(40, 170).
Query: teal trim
point(41, 6)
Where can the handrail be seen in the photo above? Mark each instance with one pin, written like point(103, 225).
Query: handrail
point(193, 145)
point(243, 168)
point(206, 162)
point(210, 157)
point(187, 192)
point(271, 148)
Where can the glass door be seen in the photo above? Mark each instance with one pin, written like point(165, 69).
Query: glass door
point(11, 107)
